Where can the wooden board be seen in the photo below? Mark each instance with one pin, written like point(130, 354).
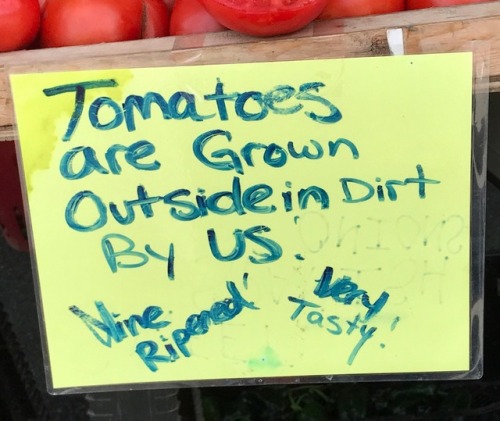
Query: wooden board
point(424, 31)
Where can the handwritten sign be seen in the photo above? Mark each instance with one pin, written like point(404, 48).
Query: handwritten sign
point(250, 221)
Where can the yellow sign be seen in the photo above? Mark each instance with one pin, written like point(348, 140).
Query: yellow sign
point(260, 220)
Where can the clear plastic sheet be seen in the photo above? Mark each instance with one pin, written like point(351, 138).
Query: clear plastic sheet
point(192, 51)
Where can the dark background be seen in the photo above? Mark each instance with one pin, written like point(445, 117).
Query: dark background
point(23, 394)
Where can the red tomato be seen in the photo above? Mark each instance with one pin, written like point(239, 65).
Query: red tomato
point(157, 19)
point(423, 4)
point(19, 23)
point(82, 22)
point(336, 9)
point(264, 17)
point(12, 221)
point(191, 17)
point(169, 3)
